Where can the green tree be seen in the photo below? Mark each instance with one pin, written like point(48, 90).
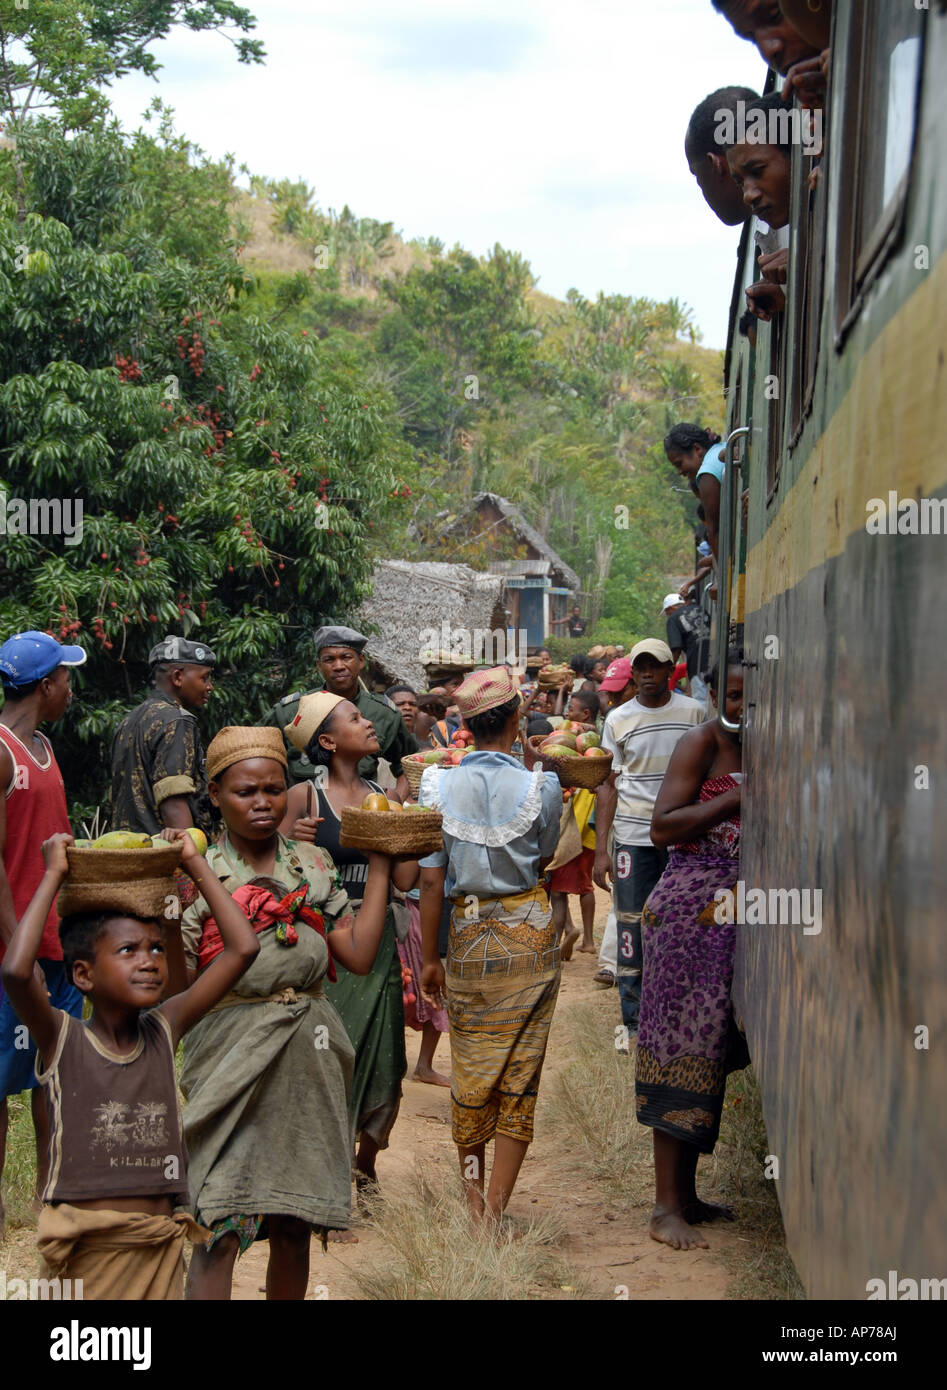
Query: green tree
point(231, 473)
point(59, 54)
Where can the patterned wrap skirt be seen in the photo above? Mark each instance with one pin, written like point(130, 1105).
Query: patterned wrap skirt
point(687, 1040)
point(503, 971)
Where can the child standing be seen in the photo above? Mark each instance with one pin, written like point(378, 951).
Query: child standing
point(118, 1170)
point(570, 873)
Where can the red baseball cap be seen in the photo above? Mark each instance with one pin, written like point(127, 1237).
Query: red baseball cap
point(618, 675)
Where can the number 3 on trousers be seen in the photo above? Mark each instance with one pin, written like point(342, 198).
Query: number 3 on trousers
point(627, 945)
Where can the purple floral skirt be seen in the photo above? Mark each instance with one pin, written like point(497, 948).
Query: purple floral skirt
point(687, 1041)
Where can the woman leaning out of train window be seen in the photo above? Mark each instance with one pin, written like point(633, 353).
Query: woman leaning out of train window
point(697, 454)
point(762, 171)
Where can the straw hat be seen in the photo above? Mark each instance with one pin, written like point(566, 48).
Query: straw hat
point(236, 743)
point(313, 710)
point(485, 690)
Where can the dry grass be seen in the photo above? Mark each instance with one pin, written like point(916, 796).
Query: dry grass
point(591, 1103)
point(19, 1173)
point(432, 1253)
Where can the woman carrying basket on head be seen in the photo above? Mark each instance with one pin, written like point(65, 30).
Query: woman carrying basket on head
point(500, 827)
point(335, 736)
point(266, 1073)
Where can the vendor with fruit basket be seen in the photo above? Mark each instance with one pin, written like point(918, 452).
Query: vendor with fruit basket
point(337, 738)
point(500, 829)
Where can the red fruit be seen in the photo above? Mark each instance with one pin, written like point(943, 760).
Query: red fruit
point(152, 617)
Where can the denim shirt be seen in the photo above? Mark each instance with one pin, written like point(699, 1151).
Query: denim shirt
point(499, 821)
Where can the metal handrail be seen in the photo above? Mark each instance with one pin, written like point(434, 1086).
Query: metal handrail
point(732, 469)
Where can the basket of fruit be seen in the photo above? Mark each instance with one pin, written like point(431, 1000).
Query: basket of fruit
point(136, 871)
point(388, 828)
point(578, 760)
point(552, 677)
point(415, 764)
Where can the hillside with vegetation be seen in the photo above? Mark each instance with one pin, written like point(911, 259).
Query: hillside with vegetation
point(254, 398)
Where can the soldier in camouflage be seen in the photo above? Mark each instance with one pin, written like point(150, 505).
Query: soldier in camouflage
point(158, 776)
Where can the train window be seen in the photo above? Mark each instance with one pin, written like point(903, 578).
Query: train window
point(880, 111)
point(805, 289)
point(775, 395)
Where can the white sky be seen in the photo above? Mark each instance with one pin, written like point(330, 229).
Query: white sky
point(554, 128)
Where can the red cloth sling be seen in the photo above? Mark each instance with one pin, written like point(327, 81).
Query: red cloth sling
point(263, 910)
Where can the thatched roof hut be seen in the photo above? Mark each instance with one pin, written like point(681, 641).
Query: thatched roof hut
point(410, 601)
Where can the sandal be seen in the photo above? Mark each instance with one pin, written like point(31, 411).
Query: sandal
point(604, 978)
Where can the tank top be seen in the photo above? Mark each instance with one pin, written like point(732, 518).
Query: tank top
point(352, 864)
point(115, 1124)
point(36, 809)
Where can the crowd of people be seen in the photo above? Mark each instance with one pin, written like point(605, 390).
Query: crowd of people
point(283, 974)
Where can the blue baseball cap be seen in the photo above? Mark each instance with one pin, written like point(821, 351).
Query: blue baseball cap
point(29, 656)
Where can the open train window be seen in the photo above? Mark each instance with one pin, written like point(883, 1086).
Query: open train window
point(775, 395)
point(880, 117)
point(807, 281)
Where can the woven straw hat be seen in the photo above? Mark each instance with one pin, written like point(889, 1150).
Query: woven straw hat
point(235, 743)
point(484, 690)
point(313, 709)
point(137, 881)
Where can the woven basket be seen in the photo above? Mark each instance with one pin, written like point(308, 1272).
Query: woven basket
point(137, 881)
point(414, 833)
point(575, 772)
point(551, 677)
point(413, 769)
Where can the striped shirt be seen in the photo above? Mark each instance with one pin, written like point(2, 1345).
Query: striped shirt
point(641, 742)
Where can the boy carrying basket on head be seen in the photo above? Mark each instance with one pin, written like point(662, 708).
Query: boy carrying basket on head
point(118, 1170)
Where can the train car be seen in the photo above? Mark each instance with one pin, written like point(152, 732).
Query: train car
point(838, 425)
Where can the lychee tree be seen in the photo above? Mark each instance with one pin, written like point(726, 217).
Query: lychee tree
point(230, 470)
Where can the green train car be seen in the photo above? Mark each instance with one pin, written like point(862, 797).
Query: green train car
point(839, 436)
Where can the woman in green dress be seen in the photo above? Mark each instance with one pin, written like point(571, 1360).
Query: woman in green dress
point(335, 736)
point(266, 1074)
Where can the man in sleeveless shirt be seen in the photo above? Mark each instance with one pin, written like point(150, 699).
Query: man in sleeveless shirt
point(34, 669)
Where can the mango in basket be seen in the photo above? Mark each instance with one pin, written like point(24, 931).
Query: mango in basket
point(122, 839)
point(198, 836)
point(376, 802)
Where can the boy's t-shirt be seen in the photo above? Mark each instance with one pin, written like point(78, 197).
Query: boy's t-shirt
point(115, 1122)
point(641, 742)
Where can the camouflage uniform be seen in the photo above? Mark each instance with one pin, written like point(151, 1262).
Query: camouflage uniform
point(389, 726)
point(157, 753)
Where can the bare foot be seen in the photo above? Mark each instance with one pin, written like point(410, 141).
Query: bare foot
point(342, 1238)
point(432, 1077)
point(568, 941)
point(670, 1228)
point(697, 1211)
point(589, 950)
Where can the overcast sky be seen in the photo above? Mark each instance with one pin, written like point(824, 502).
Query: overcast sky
point(554, 128)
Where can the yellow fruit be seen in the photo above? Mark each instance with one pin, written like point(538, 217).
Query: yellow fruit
point(199, 838)
point(122, 839)
point(376, 802)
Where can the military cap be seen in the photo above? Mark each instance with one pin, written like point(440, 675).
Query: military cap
point(340, 637)
point(184, 653)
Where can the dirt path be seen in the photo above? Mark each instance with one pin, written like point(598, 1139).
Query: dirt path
point(609, 1245)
